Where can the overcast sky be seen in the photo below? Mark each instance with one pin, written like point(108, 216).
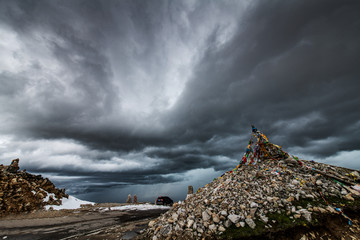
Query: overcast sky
point(109, 97)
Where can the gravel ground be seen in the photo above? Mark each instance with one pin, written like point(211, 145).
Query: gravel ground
point(85, 223)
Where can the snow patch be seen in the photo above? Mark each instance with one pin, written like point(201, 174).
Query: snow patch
point(136, 207)
point(48, 196)
point(70, 203)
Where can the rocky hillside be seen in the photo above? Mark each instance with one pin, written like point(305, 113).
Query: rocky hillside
point(261, 199)
point(267, 199)
point(21, 191)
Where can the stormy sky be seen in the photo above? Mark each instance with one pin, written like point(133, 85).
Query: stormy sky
point(110, 97)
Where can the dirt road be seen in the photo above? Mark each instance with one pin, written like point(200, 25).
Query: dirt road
point(79, 225)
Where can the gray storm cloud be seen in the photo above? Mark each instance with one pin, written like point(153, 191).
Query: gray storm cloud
point(133, 92)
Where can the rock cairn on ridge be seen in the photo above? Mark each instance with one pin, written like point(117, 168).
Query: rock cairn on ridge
point(128, 200)
point(260, 196)
point(21, 191)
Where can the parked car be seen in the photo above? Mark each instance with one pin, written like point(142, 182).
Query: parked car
point(164, 200)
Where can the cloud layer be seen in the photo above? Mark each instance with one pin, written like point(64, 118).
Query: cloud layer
point(132, 92)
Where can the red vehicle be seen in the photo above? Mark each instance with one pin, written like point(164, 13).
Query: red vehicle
point(164, 200)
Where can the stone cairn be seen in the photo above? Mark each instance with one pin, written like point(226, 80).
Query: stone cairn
point(190, 191)
point(267, 181)
point(21, 191)
point(128, 200)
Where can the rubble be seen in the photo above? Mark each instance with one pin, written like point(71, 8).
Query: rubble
point(21, 191)
point(258, 196)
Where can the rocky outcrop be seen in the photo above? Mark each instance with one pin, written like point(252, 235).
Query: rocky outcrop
point(21, 191)
point(259, 198)
point(268, 192)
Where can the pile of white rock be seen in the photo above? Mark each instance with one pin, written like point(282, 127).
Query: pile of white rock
point(249, 194)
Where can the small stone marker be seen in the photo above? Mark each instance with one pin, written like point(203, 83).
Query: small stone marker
point(190, 190)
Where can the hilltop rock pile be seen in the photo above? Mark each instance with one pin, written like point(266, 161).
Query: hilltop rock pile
point(260, 195)
point(252, 193)
point(21, 191)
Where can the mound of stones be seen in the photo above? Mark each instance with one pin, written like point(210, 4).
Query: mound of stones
point(247, 195)
point(21, 191)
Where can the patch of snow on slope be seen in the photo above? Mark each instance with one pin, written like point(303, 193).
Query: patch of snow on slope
point(139, 207)
point(48, 196)
point(70, 203)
